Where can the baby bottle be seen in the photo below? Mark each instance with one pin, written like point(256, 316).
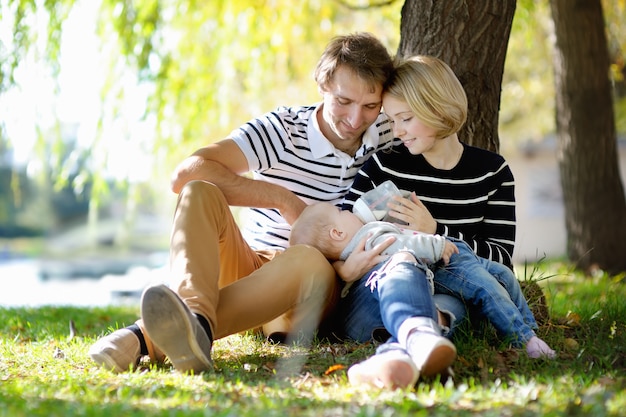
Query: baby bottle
point(372, 205)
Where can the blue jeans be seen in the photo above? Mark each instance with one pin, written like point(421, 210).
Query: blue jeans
point(386, 296)
point(492, 288)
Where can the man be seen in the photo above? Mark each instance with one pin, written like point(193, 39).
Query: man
point(224, 280)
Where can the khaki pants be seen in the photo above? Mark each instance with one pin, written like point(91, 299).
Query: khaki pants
point(236, 288)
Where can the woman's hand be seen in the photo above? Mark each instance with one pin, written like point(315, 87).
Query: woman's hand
point(360, 260)
point(413, 212)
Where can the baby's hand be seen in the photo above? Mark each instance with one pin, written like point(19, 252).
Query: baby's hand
point(362, 260)
point(448, 250)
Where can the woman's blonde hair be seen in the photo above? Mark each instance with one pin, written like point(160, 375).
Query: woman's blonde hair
point(432, 91)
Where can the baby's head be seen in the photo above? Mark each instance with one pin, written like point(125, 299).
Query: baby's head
point(325, 227)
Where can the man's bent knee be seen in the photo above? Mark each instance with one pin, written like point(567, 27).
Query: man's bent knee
point(317, 286)
point(316, 275)
point(201, 187)
point(311, 265)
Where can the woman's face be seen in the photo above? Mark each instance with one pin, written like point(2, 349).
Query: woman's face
point(415, 135)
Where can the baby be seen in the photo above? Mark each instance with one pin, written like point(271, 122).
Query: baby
point(336, 233)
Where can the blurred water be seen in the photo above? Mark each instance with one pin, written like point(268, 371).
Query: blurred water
point(21, 285)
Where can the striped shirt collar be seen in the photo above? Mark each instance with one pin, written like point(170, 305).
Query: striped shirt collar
point(321, 147)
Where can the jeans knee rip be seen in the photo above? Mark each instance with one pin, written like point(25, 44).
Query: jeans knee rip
point(379, 275)
point(445, 330)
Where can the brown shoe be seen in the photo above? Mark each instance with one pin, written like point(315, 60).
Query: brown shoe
point(120, 351)
point(117, 351)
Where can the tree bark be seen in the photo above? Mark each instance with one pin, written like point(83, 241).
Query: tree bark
point(595, 207)
point(472, 37)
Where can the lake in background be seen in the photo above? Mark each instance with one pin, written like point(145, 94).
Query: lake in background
point(22, 284)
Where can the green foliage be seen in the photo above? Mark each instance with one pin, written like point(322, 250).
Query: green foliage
point(16, 197)
point(204, 68)
point(25, 16)
point(615, 16)
point(135, 24)
point(210, 66)
point(527, 112)
point(214, 65)
point(45, 372)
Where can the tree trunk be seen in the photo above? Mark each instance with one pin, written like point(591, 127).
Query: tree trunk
point(472, 37)
point(595, 207)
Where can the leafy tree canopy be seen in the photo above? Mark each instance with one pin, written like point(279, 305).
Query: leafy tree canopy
point(206, 67)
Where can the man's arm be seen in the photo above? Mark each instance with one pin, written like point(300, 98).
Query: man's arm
point(224, 164)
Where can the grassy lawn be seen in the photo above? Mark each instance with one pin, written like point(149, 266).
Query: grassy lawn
point(45, 370)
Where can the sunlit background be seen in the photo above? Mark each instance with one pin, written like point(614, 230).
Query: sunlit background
point(90, 135)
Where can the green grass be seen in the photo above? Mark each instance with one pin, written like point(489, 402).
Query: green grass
point(44, 372)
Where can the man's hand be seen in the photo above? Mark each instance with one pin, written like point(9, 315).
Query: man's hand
point(224, 164)
point(190, 168)
point(360, 260)
point(221, 163)
point(413, 212)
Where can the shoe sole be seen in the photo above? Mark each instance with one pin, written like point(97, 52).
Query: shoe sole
point(439, 360)
point(390, 374)
point(168, 322)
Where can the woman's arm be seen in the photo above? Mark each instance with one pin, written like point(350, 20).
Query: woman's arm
point(487, 226)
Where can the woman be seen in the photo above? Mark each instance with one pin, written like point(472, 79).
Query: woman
point(457, 190)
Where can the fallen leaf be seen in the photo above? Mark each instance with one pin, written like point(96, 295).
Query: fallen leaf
point(570, 344)
point(573, 319)
point(334, 368)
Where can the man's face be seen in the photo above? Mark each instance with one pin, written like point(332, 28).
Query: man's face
point(350, 107)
